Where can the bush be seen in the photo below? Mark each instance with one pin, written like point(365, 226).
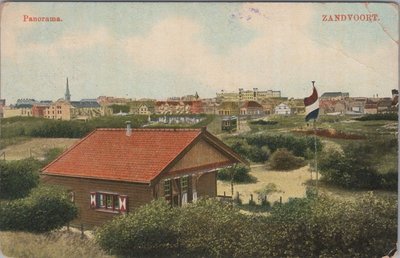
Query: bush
point(297, 145)
point(17, 178)
point(282, 159)
point(150, 231)
point(251, 152)
point(382, 116)
point(308, 227)
point(357, 167)
point(237, 174)
point(329, 227)
point(263, 122)
point(45, 209)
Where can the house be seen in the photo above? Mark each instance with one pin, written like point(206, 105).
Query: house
point(297, 106)
point(85, 109)
point(172, 107)
point(356, 106)
point(283, 109)
point(332, 106)
point(228, 108)
point(115, 171)
point(335, 96)
point(23, 107)
point(142, 107)
point(251, 108)
point(371, 106)
point(59, 110)
point(39, 109)
point(385, 105)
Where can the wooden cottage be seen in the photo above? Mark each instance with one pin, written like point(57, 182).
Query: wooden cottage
point(114, 171)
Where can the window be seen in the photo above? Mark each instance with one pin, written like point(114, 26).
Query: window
point(167, 187)
point(184, 184)
point(107, 201)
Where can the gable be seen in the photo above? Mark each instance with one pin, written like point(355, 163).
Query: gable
point(202, 154)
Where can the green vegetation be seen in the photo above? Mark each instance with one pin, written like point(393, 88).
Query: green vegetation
point(53, 244)
point(45, 209)
point(41, 127)
point(51, 155)
point(263, 193)
point(235, 174)
point(17, 178)
point(120, 108)
point(282, 159)
point(308, 227)
point(358, 166)
point(258, 147)
point(263, 122)
point(383, 116)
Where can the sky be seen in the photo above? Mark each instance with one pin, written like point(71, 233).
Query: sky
point(159, 50)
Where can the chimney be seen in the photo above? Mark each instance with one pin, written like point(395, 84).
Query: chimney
point(128, 128)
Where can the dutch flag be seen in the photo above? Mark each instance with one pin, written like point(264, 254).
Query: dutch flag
point(312, 105)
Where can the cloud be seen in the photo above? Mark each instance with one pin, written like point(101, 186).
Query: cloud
point(285, 53)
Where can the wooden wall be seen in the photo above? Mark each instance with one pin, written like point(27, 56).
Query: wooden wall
point(138, 195)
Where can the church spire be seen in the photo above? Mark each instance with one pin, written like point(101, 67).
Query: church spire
point(67, 94)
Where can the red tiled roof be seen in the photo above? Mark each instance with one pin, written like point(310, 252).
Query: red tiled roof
point(251, 104)
point(112, 155)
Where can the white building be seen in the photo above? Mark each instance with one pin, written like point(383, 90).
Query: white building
point(282, 109)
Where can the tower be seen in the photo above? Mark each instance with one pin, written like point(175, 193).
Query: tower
point(67, 94)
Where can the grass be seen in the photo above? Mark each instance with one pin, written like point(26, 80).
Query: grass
point(36, 147)
point(5, 142)
point(342, 123)
point(51, 245)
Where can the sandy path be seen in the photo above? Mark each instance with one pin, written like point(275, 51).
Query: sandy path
point(36, 147)
point(290, 183)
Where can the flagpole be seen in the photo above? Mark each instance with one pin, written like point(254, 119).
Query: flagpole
point(315, 149)
point(315, 156)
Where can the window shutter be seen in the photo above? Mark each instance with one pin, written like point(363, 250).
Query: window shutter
point(194, 196)
point(123, 203)
point(93, 200)
point(184, 198)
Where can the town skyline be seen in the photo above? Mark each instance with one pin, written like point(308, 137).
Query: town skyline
point(153, 50)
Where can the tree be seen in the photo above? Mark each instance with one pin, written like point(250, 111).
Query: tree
point(17, 178)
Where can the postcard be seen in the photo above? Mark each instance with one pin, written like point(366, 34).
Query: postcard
point(210, 129)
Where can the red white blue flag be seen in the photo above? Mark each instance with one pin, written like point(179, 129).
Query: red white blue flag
point(312, 106)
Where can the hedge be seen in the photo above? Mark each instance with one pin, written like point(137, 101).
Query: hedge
point(308, 227)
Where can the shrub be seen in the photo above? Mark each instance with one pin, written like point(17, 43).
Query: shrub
point(263, 122)
point(297, 145)
point(17, 178)
point(282, 159)
point(357, 167)
point(45, 209)
point(307, 227)
point(251, 152)
point(383, 116)
point(150, 231)
point(267, 190)
point(333, 228)
point(237, 174)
